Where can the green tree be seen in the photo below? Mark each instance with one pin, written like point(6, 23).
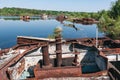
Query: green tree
point(115, 10)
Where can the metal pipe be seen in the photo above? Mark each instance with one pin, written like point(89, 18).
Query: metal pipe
point(96, 37)
point(46, 60)
point(58, 51)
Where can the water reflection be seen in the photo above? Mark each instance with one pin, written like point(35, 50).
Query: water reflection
point(72, 26)
point(11, 19)
point(26, 19)
point(44, 16)
point(20, 19)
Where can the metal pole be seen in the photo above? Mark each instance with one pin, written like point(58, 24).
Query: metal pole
point(96, 37)
point(46, 60)
point(58, 51)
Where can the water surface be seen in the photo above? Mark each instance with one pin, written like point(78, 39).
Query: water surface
point(11, 28)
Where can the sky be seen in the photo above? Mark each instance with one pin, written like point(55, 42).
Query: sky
point(60, 5)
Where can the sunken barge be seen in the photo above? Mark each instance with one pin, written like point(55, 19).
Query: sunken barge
point(40, 58)
point(85, 21)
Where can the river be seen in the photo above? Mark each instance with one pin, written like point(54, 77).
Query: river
point(12, 26)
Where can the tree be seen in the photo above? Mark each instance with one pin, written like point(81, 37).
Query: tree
point(115, 10)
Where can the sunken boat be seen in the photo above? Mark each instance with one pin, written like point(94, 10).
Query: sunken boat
point(24, 17)
point(85, 21)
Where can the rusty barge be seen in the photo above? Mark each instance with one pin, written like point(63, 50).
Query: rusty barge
point(41, 58)
point(85, 21)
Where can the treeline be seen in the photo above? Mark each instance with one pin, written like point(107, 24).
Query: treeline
point(33, 12)
point(23, 11)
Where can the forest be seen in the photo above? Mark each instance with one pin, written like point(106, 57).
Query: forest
point(110, 21)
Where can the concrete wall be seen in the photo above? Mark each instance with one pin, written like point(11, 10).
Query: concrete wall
point(32, 58)
point(31, 61)
point(113, 57)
